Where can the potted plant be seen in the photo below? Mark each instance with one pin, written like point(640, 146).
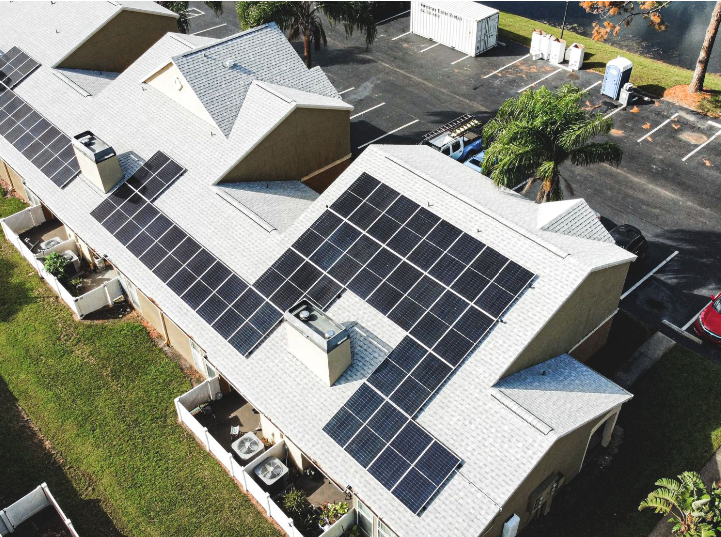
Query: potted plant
point(57, 265)
point(76, 284)
point(330, 513)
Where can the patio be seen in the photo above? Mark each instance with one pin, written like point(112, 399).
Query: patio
point(47, 230)
point(230, 411)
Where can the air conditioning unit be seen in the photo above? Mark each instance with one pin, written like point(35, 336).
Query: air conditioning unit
point(73, 259)
point(273, 475)
point(248, 447)
point(50, 243)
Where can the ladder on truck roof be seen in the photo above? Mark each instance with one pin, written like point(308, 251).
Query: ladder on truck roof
point(456, 127)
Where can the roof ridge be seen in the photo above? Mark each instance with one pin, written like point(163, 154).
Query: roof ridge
point(227, 39)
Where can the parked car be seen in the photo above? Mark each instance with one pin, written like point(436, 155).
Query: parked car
point(631, 239)
point(458, 139)
point(708, 324)
point(475, 161)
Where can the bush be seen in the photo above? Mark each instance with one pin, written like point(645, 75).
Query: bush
point(57, 265)
point(295, 501)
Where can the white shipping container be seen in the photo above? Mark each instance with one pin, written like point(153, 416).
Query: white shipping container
point(468, 27)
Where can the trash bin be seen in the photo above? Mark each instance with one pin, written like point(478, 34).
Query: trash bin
point(618, 73)
point(574, 55)
point(557, 51)
point(536, 38)
point(545, 47)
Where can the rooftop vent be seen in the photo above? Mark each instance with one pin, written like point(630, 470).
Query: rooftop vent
point(98, 161)
point(320, 343)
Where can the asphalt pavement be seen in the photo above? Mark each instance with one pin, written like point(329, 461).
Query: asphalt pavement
point(668, 184)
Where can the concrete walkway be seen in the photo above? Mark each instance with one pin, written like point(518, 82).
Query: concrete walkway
point(710, 473)
point(641, 361)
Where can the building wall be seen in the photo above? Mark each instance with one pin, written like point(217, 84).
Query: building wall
point(323, 179)
point(11, 177)
point(164, 81)
point(594, 300)
point(151, 312)
point(565, 456)
point(178, 339)
point(271, 432)
point(120, 42)
point(308, 140)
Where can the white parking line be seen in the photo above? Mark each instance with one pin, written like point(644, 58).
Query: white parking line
point(541, 80)
point(364, 111)
point(345, 91)
point(460, 60)
point(700, 147)
point(647, 276)
point(714, 124)
point(402, 35)
point(614, 111)
point(642, 138)
point(429, 48)
point(193, 12)
point(393, 17)
point(593, 85)
point(208, 29)
point(693, 319)
point(387, 134)
point(507, 65)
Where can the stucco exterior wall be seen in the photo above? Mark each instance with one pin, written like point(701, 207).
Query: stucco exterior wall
point(179, 340)
point(271, 432)
point(566, 457)
point(306, 141)
point(594, 300)
point(120, 42)
point(171, 83)
point(11, 177)
point(151, 312)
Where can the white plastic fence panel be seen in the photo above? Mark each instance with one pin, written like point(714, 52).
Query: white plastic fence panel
point(237, 472)
point(220, 453)
point(192, 424)
point(341, 525)
point(256, 491)
point(202, 393)
point(25, 219)
point(99, 297)
point(282, 519)
point(277, 451)
point(68, 244)
point(27, 506)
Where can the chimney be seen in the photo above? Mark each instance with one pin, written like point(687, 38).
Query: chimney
point(320, 343)
point(98, 161)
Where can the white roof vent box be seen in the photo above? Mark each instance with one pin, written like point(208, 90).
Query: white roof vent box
point(248, 447)
point(319, 342)
point(98, 161)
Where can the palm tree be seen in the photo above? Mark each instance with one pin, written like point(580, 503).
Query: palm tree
point(534, 134)
point(686, 500)
point(699, 73)
point(301, 20)
point(181, 9)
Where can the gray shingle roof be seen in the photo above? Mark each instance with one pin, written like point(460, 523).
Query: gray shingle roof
point(221, 73)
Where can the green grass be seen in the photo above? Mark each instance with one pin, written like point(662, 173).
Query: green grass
point(102, 395)
point(651, 76)
point(672, 424)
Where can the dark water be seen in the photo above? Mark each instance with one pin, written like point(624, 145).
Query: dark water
point(679, 45)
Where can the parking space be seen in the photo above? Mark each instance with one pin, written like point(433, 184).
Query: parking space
point(205, 23)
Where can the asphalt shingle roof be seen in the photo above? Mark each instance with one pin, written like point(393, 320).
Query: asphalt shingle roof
point(221, 73)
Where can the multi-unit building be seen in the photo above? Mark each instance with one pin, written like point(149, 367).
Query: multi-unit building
point(398, 324)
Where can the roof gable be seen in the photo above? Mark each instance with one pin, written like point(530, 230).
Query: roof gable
point(220, 74)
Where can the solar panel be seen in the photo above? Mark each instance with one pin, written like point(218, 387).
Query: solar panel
point(15, 65)
point(36, 138)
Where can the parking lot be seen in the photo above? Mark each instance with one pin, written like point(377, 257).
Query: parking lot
point(668, 184)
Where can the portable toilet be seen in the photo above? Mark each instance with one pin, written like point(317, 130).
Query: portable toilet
point(618, 73)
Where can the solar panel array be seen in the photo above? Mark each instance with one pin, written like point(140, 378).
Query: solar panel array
point(15, 65)
point(234, 309)
point(445, 288)
point(43, 144)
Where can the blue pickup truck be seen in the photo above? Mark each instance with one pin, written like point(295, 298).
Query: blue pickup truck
point(459, 139)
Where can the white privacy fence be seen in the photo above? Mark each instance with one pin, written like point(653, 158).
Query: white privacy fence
point(28, 506)
point(82, 305)
point(206, 392)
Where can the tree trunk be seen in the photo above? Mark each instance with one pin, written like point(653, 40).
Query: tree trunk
point(306, 48)
point(702, 64)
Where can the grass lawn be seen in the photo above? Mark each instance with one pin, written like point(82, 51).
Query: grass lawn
point(102, 395)
point(672, 424)
point(649, 75)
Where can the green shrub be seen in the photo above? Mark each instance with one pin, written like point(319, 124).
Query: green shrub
point(57, 265)
point(295, 501)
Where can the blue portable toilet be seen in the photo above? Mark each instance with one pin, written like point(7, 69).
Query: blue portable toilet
point(618, 73)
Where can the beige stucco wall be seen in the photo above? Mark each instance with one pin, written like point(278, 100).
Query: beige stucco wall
point(565, 456)
point(120, 42)
point(306, 141)
point(179, 340)
point(271, 432)
point(164, 80)
point(594, 300)
point(151, 312)
point(10, 176)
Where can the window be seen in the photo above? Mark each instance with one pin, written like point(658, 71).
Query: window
point(446, 150)
point(212, 373)
point(365, 518)
point(456, 146)
point(384, 531)
point(538, 503)
point(198, 357)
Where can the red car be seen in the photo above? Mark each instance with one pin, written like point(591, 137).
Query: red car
point(708, 324)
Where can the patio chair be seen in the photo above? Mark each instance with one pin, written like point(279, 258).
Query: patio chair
point(234, 431)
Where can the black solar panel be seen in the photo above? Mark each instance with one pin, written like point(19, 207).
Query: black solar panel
point(36, 138)
point(15, 65)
